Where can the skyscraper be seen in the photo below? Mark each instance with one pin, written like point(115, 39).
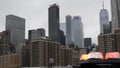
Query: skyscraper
point(54, 31)
point(104, 21)
point(16, 27)
point(115, 8)
point(68, 29)
point(77, 31)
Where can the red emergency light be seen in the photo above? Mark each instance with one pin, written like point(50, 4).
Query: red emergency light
point(112, 55)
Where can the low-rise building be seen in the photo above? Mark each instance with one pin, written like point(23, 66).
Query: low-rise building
point(10, 61)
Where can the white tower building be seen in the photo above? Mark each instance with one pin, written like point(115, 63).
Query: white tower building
point(104, 21)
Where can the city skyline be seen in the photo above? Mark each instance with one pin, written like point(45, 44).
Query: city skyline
point(35, 13)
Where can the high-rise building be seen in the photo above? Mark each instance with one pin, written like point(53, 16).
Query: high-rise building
point(115, 8)
point(54, 31)
point(63, 27)
point(104, 21)
point(62, 37)
point(36, 34)
point(77, 31)
point(68, 30)
point(87, 42)
point(16, 27)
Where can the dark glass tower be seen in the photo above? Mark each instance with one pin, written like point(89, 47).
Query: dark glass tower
point(54, 31)
point(62, 37)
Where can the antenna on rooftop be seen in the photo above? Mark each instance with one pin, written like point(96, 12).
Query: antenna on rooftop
point(103, 4)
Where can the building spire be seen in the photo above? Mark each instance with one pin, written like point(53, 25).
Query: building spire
point(103, 4)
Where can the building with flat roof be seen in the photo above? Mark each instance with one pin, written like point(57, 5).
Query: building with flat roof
point(16, 27)
point(53, 19)
point(68, 30)
point(41, 51)
point(77, 31)
point(36, 34)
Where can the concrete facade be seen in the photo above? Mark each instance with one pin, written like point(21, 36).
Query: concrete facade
point(109, 42)
point(4, 43)
point(106, 43)
point(42, 50)
point(10, 61)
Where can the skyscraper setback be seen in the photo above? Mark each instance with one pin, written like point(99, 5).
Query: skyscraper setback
point(54, 31)
point(16, 27)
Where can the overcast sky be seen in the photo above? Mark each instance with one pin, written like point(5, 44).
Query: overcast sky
point(36, 13)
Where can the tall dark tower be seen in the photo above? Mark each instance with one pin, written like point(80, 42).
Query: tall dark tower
point(115, 9)
point(54, 31)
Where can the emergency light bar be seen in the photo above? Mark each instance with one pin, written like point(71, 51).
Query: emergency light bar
point(99, 55)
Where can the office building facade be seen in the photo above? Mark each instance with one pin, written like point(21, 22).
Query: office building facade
point(106, 43)
point(10, 61)
point(4, 43)
point(77, 31)
point(16, 27)
point(41, 51)
point(115, 8)
point(117, 39)
point(87, 42)
point(109, 42)
point(36, 34)
point(104, 21)
point(62, 37)
point(54, 31)
point(68, 30)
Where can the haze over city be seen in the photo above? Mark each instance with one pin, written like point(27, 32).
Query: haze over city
point(36, 13)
